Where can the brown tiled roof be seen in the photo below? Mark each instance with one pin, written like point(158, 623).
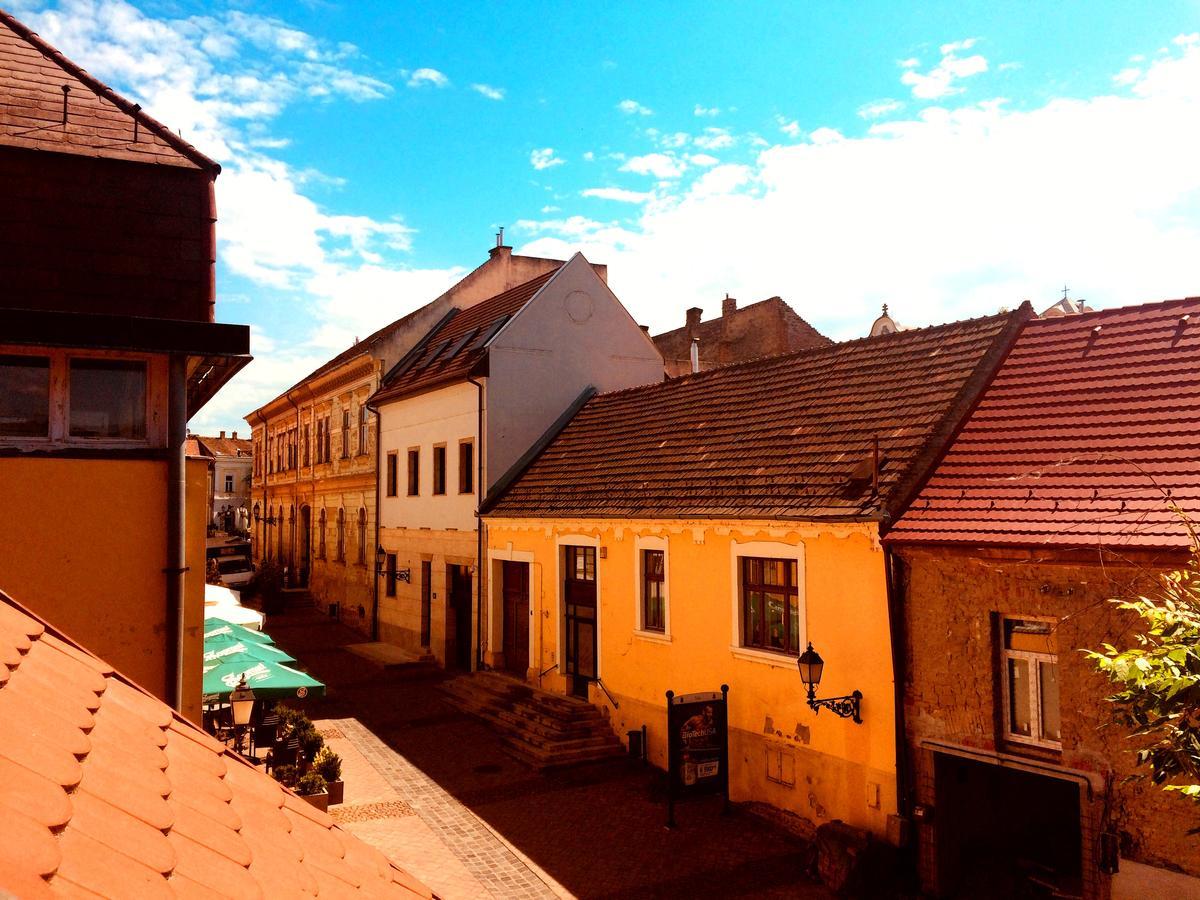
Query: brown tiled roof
point(1090, 429)
point(99, 121)
point(452, 351)
point(786, 437)
point(108, 793)
point(225, 446)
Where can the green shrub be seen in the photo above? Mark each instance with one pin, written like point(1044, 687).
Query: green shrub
point(312, 783)
point(286, 775)
point(328, 765)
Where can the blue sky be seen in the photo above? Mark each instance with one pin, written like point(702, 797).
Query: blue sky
point(949, 159)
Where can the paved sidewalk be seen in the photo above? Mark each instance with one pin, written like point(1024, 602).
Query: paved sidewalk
point(434, 789)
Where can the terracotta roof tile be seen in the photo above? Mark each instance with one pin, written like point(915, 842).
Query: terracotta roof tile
point(1089, 424)
point(450, 352)
point(99, 122)
point(782, 437)
point(108, 793)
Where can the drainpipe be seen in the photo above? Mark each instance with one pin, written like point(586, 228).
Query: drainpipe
point(295, 505)
point(372, 558)
point(479, 526)
point(895, 595)
point(176, 524)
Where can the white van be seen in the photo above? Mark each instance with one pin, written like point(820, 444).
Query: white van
point(233, 560)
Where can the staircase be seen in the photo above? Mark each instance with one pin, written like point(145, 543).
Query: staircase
point(544, 730)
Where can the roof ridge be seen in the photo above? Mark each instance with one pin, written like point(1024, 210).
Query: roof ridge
point(1091, 314)
point(102, 90)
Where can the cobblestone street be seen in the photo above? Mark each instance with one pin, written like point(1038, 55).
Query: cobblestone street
point(432, 787)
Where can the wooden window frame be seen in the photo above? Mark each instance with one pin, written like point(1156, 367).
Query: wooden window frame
point(1034, 661)
point(323, 524)
point(362, 536)
point(346, 433)
point(390, 576)
point(439, 469)
point(413, 472)
point(363, 423)
point(647, 580)
point(426, 601)
point(789, 589)
point(392, 475)
point(341, 535)
point(466, 466)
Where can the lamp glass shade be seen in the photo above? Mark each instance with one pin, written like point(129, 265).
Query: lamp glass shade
point(810, 665)
point(241, 701)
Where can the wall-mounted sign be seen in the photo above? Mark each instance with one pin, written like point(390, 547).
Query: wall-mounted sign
point(697, 746)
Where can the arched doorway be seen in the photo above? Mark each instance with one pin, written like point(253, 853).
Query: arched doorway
point(305, 543)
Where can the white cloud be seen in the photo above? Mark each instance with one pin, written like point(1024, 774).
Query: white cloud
point(706, 110)
point(878, 108)
point(589, 156)
point(633, 108)
point(703, 160)
point(959, 212)
point(432, 77)
point(790, 127)
point(714, 139)
point(911, 63)
point(939, 81)
point(544, 158)
point(660, 165)
point(1127, 76)
point(620, 195)
point(492, 93)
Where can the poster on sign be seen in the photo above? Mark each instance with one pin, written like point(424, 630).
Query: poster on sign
point(697, 746)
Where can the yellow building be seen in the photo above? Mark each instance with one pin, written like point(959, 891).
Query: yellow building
point(107, 347)
point(313, 497)
point(707, 530)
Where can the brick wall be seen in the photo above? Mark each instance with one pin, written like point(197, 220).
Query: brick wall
point(80, 234)
point(953, 601)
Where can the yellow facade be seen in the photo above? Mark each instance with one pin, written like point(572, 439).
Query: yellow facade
point(85, 550)
point(819, 767)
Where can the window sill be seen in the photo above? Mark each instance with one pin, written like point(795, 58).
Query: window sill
point(765, 657)
point(655, 637)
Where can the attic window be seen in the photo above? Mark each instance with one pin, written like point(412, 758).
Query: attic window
point(864, 475)
point(491, 332)
point(438, 352)
point(462, 342)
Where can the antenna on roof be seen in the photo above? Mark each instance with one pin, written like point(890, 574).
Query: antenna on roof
point(137, 108)
point(500, 237)
point(66, 89)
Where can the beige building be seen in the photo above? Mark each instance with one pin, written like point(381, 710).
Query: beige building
point(462, 412)
point(312, 499)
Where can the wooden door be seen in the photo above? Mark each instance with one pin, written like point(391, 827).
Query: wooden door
point(516, 617)
point(580, 596)
point(459, 578)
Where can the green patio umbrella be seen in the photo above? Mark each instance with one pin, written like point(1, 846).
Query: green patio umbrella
point(220, 628)
point(222, 650)
point(268, 680)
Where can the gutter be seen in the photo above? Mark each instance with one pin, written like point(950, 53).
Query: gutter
point(176, 567)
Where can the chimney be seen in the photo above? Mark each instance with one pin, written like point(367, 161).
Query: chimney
point(234, 435)
point(645, 329)
point(222, 435)
point(695, 354)
point(500, 250)
point(728, 306)
point(693, 316)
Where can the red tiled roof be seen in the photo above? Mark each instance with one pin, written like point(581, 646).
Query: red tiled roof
point(443, 358)
point(783, 437)
point(1090, 423)
point(108, 793)
point(225, 446)
point(100, 122)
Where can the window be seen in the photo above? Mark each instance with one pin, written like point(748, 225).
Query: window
point(328, 440)
point(653, 595)
point(345, 434)
point(279, 535)
point(229, 484)
point(466, 467)
point(580, 563)
point(306, 446)
point(414, 472)
point(341, 535)
point(1030, 658)
point(362, 536)
point(391, 575)
point(362, 429)
point(108, 399)
point(24, 396)
point(320, 440)
point(770, 604)
point(392, 461)
point(321, 536)
point(439, 469)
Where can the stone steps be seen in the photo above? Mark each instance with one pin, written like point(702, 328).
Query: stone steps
point(541, 729)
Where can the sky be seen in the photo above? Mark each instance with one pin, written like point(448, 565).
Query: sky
point(948, 159)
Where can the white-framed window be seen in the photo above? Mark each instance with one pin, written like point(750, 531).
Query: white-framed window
point(768, 601)
point(229, 484)
point(652, 588)
point(1029, 678)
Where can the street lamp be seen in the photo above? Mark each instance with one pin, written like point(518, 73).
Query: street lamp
point(241, 702)
point(381, 571)
point(811, 666)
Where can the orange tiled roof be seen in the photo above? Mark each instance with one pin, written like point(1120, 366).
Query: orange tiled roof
point(1090, 429)
point(100, 122)
point(107, 792)
point(451, 352)
point(787, 437)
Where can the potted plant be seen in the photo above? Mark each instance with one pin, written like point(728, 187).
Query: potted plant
point(328, 765)
point(312, 788)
